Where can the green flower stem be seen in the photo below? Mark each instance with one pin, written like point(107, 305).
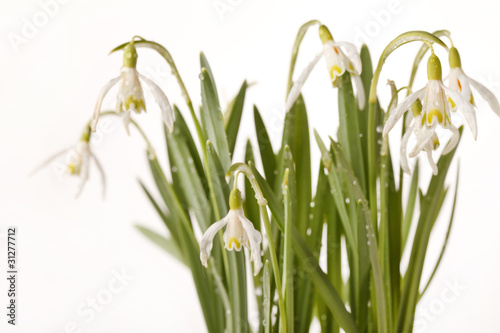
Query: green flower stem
point(141, 42)
point(275, 264)
point(295, 50)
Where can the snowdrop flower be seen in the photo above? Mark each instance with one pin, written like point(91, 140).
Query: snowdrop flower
point(340, 57)
point(78, 161)
point(435, 111)
point(414, 126)
point(130, 95)
point(239, 233)
point(458, 81)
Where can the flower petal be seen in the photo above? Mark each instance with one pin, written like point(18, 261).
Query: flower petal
point(428, 151)
point(487, 95)
point(47, 161)
point(404, 147)
point(466, 108)
point(453, 140)
point(126, 120)
point(101, 171)
point(297, 86)
point(401, 109)
point(424, 135)
point(84, 173)
point(351, 52)
point(208, 238)
point(360, 90)
point(100, 98)
point(166, 109)
point(255, 239)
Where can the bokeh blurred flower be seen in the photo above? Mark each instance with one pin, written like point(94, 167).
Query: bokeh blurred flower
point(130, 94)
point(78, 161)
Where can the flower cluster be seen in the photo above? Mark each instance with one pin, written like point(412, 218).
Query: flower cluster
point(130, 98)
point(432, 106)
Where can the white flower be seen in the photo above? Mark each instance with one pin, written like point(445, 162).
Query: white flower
point(435, 111)
point(340, 57)
point(78, 162)
point(415, 127)
point(239, 233)
point(130, 95)
point(458, 81)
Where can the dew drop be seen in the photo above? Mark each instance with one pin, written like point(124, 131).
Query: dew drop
point(347, 200)
point(360, 135)
point(312, 204)
point(309, 231)
point(379, 129)
point(200, 76)
point(174, 169)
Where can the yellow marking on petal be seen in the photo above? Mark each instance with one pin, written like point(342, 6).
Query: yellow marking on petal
point(72, 168)
point(453, 105)
point(336, 50)
point(471, 99)
point(334, 69)
point(235, 241)
point(459, 84)
point(138, 103)
point(434, 113)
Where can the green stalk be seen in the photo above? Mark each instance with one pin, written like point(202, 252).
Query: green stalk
point(288, 256)
point(276, 269)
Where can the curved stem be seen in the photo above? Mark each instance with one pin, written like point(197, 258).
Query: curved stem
point(276, 269)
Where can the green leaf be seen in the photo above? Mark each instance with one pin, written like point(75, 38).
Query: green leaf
point(211, 115)
point(302, 159)
point(430, 204)
point(384, 320)
point(308, 262)
point(288, 257)
point(265, 148)
point(233, 117)
point(445, 243)
point(410, 206)
point(250, 204)
point(165, 243)
point(268, 300)
point(349, 129)
point(190, 182)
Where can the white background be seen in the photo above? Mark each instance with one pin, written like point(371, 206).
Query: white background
point(69, 249)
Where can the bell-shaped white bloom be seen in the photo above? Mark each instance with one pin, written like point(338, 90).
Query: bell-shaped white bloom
point(339, 57)
point(435, 111)
point(130, 94)
point(239, 233)
point(415, 126)
point(77, 162)
point(460, 82)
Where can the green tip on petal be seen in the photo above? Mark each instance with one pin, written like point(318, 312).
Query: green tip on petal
point(434, 71)
point(416, 108)
point(235, 199)
point(86, 134)
point(454, 58)
point(325, 34)
point(130, 55)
